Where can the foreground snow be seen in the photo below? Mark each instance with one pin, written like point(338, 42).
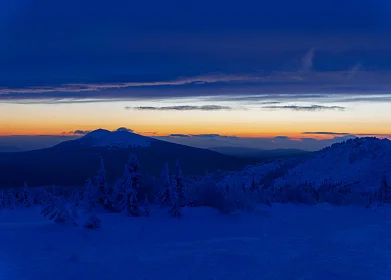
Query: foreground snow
point(283, 242)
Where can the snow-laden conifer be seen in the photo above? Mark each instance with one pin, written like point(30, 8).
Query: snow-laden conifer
point(101, 183)
point(180, 186)
point(384, 192)
point(90, 196)
point(76, 198)
point(25, 196)
point(175, 209)
point(2, 202)
point(134, 170)
point(120, 188)
point(59, 211)
point(130, 203)
point(147, 210)
point(165, 182)
point(11, 198)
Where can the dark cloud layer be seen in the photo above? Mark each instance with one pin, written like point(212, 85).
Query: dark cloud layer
point(181, 108)
point(310, 108)
point(326, 133)
point(178, 135)
point(82, 50)
point(77, 132)
point(124, 129)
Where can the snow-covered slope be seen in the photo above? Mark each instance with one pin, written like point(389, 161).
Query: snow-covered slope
point(359, 162)
point(118, 138)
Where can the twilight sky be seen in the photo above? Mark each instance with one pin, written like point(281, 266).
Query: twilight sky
point(238, 68)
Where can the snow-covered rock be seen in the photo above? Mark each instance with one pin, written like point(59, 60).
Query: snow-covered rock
point(119, 138)
point(359, 163)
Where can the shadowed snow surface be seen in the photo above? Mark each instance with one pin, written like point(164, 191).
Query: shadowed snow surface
point(282, 242)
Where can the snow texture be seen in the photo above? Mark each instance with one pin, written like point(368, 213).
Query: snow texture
point(287, 241)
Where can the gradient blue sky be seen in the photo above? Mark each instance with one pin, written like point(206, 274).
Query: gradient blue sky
point(247, 68)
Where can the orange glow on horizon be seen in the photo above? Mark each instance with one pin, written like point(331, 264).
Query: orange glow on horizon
point(373, 119)
point(150, 133)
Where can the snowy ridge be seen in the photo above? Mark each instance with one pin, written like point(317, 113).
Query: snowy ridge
point(359, 163)
point(118, 138)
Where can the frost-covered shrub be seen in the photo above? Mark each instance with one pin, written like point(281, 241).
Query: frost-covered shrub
point(384, 192)
point(11, 199)
point(298, 194)
point(24, 196)
point(40, 195)
point(2, 202)
point(59, 211)
point(357, 199)
point(206, 193)
point(334, 197)
point(225, 198)
point(238, 199)
point(92, 222)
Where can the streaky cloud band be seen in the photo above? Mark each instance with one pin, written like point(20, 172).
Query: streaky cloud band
point(181, 108)
point(305, 108)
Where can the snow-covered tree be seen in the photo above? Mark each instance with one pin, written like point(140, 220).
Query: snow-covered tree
point(101, 183)
point(175, 210)
point(133, 164)
point(147, 210)
point(2, 202)
point(11, 198)
point(384, 192)
point(90, 198)
point(129, 200)
point(253, 186)
point(120, 188)
point(25, 196)
point(40, 196)
point(76, 198)
point(180, 188)
point(165, 193)
point(59, 211)
point(134, 170)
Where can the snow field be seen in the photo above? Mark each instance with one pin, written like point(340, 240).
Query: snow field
point(285, 241)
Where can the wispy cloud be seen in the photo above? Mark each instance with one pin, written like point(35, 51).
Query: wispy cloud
point(355, 69)
point(206, 135)
point(124, 129)
point(77, 132)
point(302, 81)
point(182, 108)
point(307, 60)
point(87, 87)
point(281, 138)
point(309, 108)
point(326, 133)
point(178, 135)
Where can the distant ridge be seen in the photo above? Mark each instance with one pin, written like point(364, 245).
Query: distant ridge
point(259, 153)
point(70, 163)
